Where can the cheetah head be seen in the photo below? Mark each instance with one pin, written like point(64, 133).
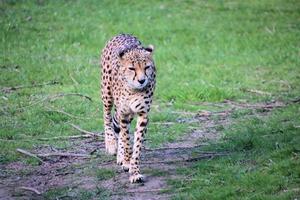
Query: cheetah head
point(137, 67)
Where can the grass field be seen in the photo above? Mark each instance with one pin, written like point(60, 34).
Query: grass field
point(205, 51)
point(263, 164)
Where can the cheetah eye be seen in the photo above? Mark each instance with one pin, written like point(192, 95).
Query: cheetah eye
point(147, 67)
point(131, 68)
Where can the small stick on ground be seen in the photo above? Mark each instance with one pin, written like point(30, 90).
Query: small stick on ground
point(207, 104)
point(65, 113)
point(63, 154)
point(257, 92)
point(169, 148)
point(241, 105)
point(183, 113)
point(297, 100)
point(193, 159)
point(30, 154)
point(85, 131)
point(144, 191)
point(13, 88)
point(31, 189)
point(40, 156)
point(163, 123)
point(54, 97)
point(66, 137)
point(212, 155)
point(73, 79)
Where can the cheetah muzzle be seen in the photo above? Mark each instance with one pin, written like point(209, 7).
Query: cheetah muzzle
point(128, 83)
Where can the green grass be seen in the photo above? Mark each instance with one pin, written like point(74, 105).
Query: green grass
point(264, 161)
point(104, 174)
point(76, 193)
point(204, 51)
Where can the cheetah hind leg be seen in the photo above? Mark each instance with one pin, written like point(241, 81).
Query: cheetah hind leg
point(111, 143)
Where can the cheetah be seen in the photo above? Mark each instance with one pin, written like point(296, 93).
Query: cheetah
point(128, 83)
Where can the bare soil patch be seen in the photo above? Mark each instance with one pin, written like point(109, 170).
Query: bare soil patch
point(159, 165)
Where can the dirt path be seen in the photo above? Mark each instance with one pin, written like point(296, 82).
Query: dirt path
point(76, 175)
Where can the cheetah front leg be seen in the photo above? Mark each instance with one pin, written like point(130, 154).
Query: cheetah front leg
point(134, 170)
point(124, 149)
point(110, 137)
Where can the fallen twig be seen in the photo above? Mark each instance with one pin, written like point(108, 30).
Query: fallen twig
point(211, 104)
point(65, 137)
point(158, 190)
point(31, 189)
point(40, 156)
point(297, 100)
point(85, 131)
point(269, 105)
point(108, 162)
point(4, 140)
point(17, 140)
point(292, 189)
point(63, 154)
point(145, 191)
point(73, 79)
point(163, 123)
point(257, 92)
point(204, 156)
point(30, 154)
point(207, 114)
point(193, 159)
point(169, 148)
point(13, 88)
point(54, 97)
point(183, 112)
point(65, 113)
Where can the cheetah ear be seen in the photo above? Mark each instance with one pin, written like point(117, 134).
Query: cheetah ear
point(149, 48)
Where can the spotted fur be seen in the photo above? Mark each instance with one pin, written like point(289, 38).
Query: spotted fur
point(128, 83)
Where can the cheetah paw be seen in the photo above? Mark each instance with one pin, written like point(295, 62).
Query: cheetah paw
point(125, 166)
point(137, 178)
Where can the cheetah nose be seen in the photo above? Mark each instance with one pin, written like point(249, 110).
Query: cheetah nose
point(141, 81)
